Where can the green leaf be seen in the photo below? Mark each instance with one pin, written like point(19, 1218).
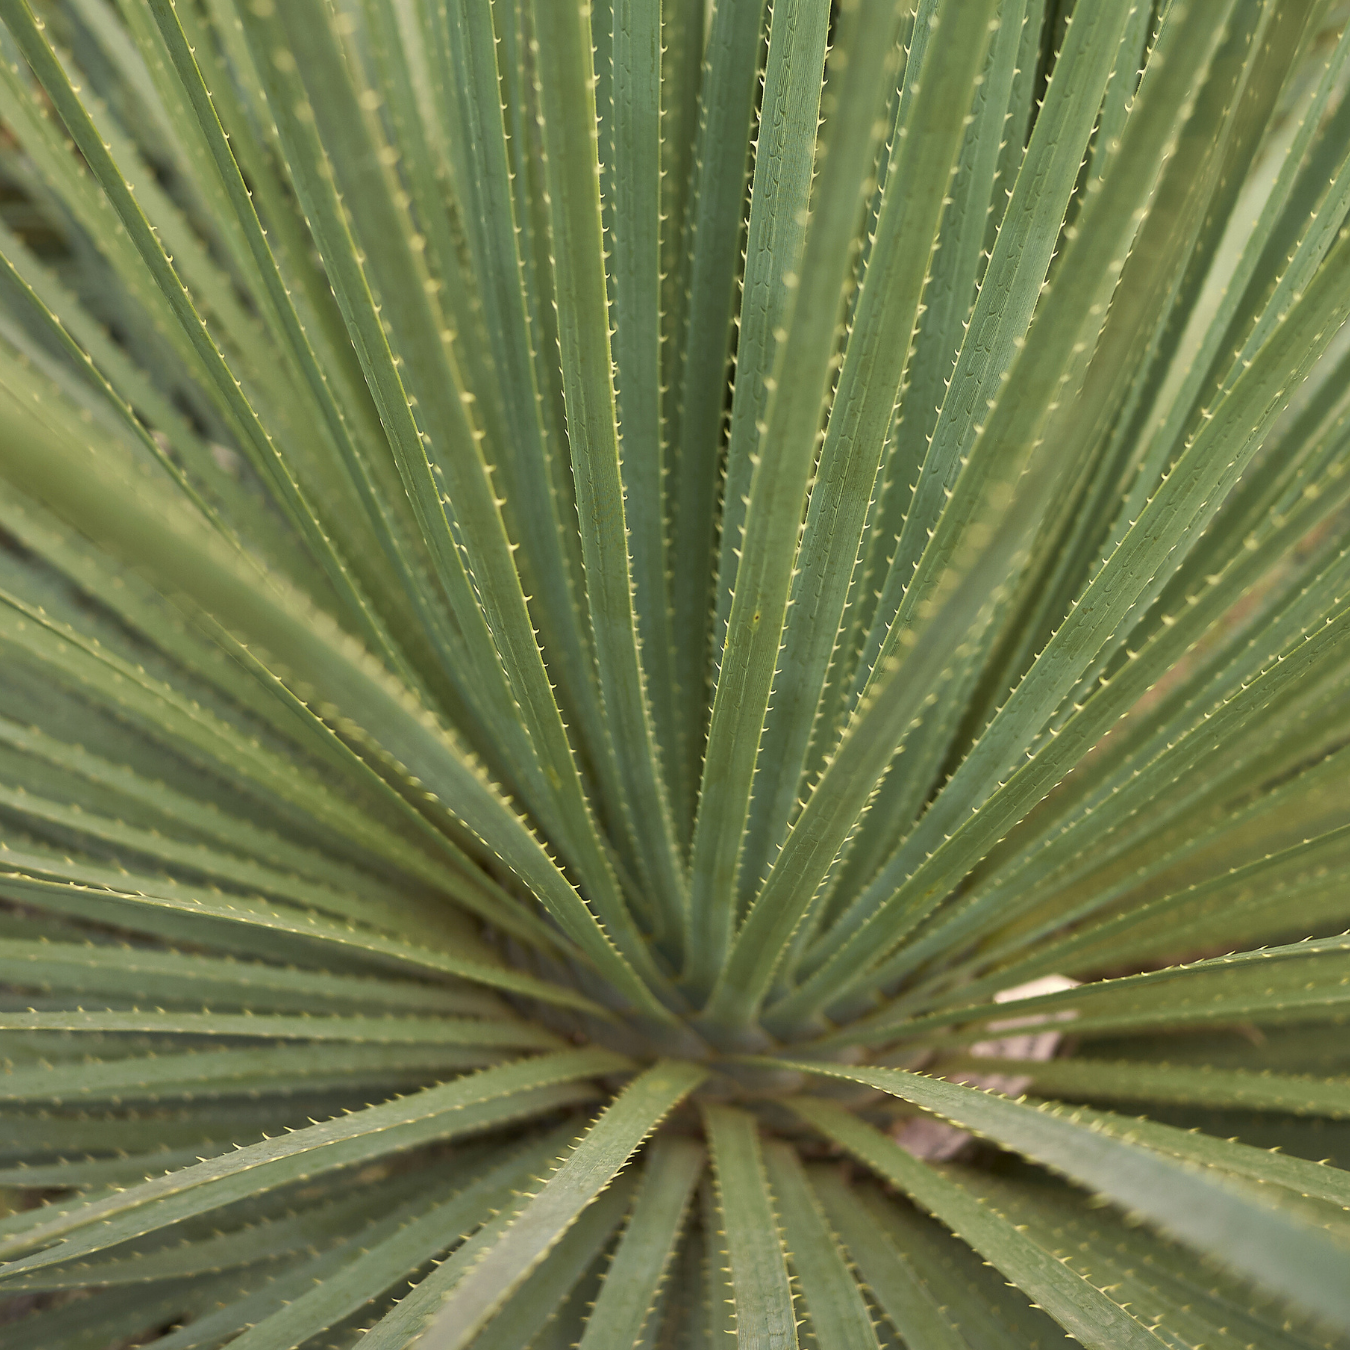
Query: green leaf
point(1174, 1293)
point(113, 1315)
point(834, 1302)
point(1268, 1167)
point(464, 43)
point(723, 161)
point(1007, 297)
point(217, 1073)
point(1091, 1316)
point(880, 341)
point(352, 682)
point(637, 270)
point(1101, 239)
point(219, 867)
point(1227, 1222)
point(588, 1169)
point(158, 265)
point(1301, 981)
point(88, 892)
point(118, 972)
point(385, 526)
point(560, 1273)
point(472, 1103)
point(755, 568)
point(568, 124)
point(175, 810)
point(312, 1228)
point(383, 1261)
point(748, 1233)
point(1123, 1080)
point(489, 601)
point(385, 1030)
point(633, 1281)
point(546, 546)
point(883, 1265)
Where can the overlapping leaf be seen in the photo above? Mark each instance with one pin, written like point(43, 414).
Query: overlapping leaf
point(619, 622)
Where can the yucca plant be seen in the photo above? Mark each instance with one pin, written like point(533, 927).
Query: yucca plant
point(674, 670)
